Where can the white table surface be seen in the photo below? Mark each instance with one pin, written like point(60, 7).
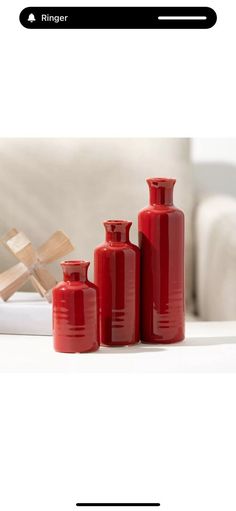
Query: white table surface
point(209, 347)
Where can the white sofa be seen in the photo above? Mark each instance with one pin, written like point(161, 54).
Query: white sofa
point(215, 241)
point(75, 184)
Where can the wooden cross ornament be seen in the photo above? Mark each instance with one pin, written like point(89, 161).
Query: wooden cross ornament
point(32, 263)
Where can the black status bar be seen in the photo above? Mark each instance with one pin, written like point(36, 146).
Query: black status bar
point(118, 17)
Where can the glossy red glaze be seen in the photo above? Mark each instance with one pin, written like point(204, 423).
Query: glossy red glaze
point(161, 240)
point(75, 310)
point(117, 275)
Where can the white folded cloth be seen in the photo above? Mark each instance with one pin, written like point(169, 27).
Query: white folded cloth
point(26, 314)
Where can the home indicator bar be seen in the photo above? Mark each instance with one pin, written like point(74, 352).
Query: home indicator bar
point(118, 17)
point(116, 504)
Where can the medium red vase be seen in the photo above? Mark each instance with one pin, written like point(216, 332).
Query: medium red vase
point(117, 275)
point(161, 241)
point(75, 310)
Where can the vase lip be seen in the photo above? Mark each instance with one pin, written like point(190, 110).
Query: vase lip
point(117, 222)
point(167, 182)
point(117, 225)
point(76, 262)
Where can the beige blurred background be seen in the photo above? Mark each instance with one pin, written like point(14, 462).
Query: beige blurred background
point(75, 184)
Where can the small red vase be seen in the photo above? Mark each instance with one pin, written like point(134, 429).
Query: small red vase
point(75, 310)
point(161, 241)
point(117, 275)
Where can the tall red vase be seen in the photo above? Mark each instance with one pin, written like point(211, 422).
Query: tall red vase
point(75, 310)
point(117, 275)
point(161, 239)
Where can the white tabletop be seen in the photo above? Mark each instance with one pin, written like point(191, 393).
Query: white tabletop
point(209, 347)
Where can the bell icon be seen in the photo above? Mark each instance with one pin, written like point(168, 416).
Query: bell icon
point(31, 18)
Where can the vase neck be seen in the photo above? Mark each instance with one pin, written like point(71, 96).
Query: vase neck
point(117, 230)
point(161, 191)
point(75, 271)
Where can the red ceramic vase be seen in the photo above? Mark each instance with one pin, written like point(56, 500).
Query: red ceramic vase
point(75, 310)
point(117, 275)
point(161, 240)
